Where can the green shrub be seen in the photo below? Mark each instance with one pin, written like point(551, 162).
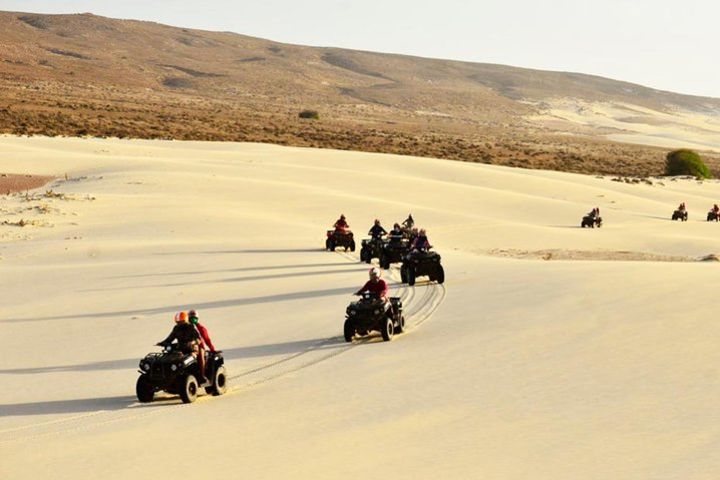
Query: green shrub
point(313, 114)
point(686, 162)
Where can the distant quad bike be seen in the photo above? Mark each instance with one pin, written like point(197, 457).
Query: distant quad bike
point(340, 238)
point(177, 373)
point(591, 222)
point(681, 215)
point(394, 252)
point(372, 314)
point(422, 263)
point(713, 217)
point(371, 248)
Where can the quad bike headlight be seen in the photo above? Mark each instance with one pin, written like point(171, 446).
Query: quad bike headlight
point(145, 367)
point(173, 367)
point(353, 312)
point(376, 311)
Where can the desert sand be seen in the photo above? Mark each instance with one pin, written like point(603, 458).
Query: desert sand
point(597, 363)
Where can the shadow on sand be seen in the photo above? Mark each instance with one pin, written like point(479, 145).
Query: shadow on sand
point(281, 297)
point(253, 351)
point(236, 279)
point(79, 405)
point(238, 270)
point(257, 250)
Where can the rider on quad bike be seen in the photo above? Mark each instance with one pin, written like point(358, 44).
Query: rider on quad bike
point(409, 222)
point(375, 285)
point(421, 242)
point(396, 234)
point(714, 213)
point(187, 337)
point(205, 341)
point(377, 231)
point(341, 224)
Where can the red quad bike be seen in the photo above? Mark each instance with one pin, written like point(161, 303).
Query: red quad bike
point(340, 238)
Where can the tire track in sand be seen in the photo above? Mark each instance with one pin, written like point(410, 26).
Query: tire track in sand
point(417, 312)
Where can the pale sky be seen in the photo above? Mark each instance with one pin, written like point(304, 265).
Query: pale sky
point(668, 45)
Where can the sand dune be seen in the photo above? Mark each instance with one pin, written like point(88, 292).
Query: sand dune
point(623, 122)
point(516, 368)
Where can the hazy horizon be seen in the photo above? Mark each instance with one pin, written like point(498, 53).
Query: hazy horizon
point(656, 44)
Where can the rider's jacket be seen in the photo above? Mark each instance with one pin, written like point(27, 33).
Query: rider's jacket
point(185, 334)
point(380, 287)
point(377, 231)
point(421, 243)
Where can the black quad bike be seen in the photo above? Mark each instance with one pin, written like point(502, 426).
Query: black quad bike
point(372, 314)
point(713, 217)
point(681, 215)
point(393, 252)
point(340, 239)
point(591, 222)
point(419, 263)
point(175, 372)
point(371, 248)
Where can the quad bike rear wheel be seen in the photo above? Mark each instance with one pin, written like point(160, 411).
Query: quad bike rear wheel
point(440, 274)
point(219, 382)
point(144, 389)
point(189, 389)
point(403, 274)
point(401, 324)
point(330, 244)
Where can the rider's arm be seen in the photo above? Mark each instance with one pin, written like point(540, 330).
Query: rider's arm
point(170, 338)
point(206, 337)
point(384, 292)
point(363, 289)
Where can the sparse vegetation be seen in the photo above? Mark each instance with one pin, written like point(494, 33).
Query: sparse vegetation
point(686, 162)
point(226, 88)
point(311, 114)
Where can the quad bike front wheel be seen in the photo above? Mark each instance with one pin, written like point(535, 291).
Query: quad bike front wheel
point(329, 244)
point(189, 389)
point(348, 331)
point(144, 390)
point(403, 274)
point(411, 276)
point(352, 245)
point(388, 330)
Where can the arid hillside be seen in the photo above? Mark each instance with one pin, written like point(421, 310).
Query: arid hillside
point(90, 75)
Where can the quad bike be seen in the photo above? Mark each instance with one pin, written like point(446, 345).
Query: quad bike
point(591, 222)
point(370, 313)
point(394, 251)
point(420, 263)
point(713, 216)
point(340, 238)
point(371, 248)
point(681, 215)
point(176, 372)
